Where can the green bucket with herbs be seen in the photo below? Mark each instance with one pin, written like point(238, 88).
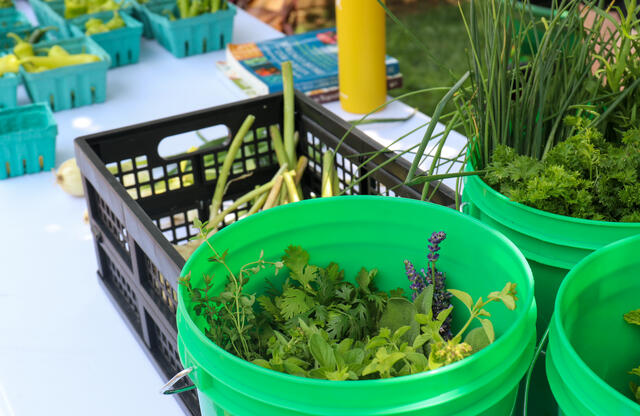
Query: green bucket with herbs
point(552, 244)
point(369, 238)
point(594, 335)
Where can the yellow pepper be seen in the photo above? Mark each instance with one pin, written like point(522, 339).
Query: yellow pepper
point(53, 62)
point(57, 50)
point(9, 63)
point(116, 22)
point(22, 48)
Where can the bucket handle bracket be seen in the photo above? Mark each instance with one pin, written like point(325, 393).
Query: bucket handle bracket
point(168, 388)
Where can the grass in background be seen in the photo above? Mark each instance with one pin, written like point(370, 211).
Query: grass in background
point(440, 27)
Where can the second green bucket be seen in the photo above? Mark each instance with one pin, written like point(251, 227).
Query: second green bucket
point(591, 348)
point(378, 232)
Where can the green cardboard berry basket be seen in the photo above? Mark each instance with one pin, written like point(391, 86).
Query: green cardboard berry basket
point(9, 90)
point(122, 45)
point(51, 13)
point(138, 12)
point(70, 86)
point(27, 140)
point(191, 36)
point(12, 20)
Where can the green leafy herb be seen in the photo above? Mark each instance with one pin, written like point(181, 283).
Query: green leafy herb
point(584, 176)
point(316, 324)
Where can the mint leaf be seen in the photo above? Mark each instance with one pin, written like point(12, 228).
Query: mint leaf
point(424, 300)
point(321, 351)
point(463, 297)
point(477, 338)
point(398, 313)
point(488, 329)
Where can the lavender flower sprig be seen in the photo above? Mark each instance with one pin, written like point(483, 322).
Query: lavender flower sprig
point(417, 281)
point(441, 297)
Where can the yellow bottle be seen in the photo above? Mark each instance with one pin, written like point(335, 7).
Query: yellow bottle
point(362, 74)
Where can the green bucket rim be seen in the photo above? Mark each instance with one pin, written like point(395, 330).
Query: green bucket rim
point(556, 321)
point(521, 317)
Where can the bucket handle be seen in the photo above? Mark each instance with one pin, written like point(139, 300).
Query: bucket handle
point(530, 371)
point(168, 388)
point(461, 208)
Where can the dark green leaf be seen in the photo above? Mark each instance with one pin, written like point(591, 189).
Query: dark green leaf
point(269, 307)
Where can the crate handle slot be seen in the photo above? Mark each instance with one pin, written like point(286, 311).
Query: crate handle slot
point(179, 145)
point(168, 388)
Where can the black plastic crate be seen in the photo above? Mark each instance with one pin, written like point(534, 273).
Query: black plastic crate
point(140, 203)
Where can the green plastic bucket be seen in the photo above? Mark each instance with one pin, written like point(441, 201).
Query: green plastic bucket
point(591, 348)
point(551, 243)
point(531, 14)
point(379, 232)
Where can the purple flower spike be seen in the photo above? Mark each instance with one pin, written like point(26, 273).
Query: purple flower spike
point(417, 283)
point(437, 237)
point(435, 240)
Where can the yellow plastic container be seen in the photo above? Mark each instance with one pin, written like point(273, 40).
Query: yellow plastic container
point(361, 55)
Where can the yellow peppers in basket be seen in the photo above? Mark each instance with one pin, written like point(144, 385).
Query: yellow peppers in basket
point(9, 63)
point(52, 62)
point(56, 57)
point(75, 8)
point(95, 25)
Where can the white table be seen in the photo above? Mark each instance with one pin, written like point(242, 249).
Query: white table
point(64, 349)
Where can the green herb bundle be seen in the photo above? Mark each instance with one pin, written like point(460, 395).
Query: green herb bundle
point(584, 176)
point(317, 324)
